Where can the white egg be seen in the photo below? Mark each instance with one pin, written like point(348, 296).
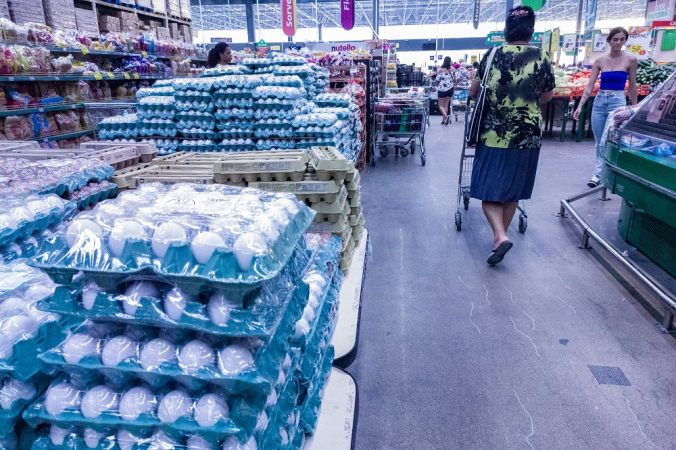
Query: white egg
point(135, 402)
point(13, 306)
point(210, 409)
point(8, 222)
point(77, 346)
point(133, 294)
point(308, 313)
point(92, 437)
point(198, 443)
point(160, 441)
point(281, 378)
point(174, 405)
point(205, 244)
point(219, 308)
point(22, 214)
point(107, 211)
point(117, 350)
point(272, 398)
point(41, 316)
point(15, 390)
point(38, 292)
point(315, 278)
point(39, 207)
point(165, 235)
point(287, 362)
point(57, 435)
point(174, 303)
point(97, 400)
point(262, 421)
point(246, 247)
point(279, 214)
point(157, 352)
point(291, 206)
point(232, 443)
point(301, 329)
point(82, 227)
point(125, 440)
point(89, 293)
point(7, 346)
point(313, 302)
point(53, 202)
point(124, 230)
point(316, 290)
point(20, 326)
point(235, 359)
point(195, 355)
point(62, 397)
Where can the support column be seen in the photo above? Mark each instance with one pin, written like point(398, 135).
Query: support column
point(250, 28)
point(578, 30)
point(376, 16)
point(509, 5)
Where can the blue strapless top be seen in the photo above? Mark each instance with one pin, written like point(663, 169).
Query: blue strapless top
point(613, 81)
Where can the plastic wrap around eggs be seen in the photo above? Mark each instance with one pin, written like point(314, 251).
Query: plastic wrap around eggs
point(317, 283)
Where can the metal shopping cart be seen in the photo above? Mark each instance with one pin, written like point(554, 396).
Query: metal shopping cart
point(400, 124)
point(98, 111)
point(459, 101)
point(465, 179)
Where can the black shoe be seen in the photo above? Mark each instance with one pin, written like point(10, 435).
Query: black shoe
point(594, 182)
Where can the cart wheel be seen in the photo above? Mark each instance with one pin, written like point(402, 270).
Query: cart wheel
point(403, 151)
point(383, 152)
point(458, 221)
point(465, 201)
point(523, 223)
point(423, 159)
point(412, 148)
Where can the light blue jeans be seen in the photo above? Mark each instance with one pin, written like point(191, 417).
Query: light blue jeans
point(604, 104)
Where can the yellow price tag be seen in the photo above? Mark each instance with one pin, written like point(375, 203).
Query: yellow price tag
point(84, 49)
point(126, 75)
point(97, 76)
point(111, 75)
point(635, 48)
point(136, 75)
point(144, 54)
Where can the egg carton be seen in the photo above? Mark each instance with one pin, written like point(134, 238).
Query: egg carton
point(358, 230)
point(260, 169)
point(336, 207)
point(259, 317)
point(171, 217)
point(307, 333)
point(146, 150)
point(15, 396)
point(355, 202)
point(171, 176)
point(355, 218)
point(351, 171)
point(346, 257)
point(105, 190)
point(22, 215)
point(329, 164)
point(310, 408)
point(123, 178)
point(67, 403)
point(353, 186)
point(333, 217)
point(309, 189)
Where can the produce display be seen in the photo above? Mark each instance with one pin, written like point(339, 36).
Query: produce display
point(653, 74)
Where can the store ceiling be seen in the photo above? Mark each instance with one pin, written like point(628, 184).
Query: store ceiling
point(231, 14)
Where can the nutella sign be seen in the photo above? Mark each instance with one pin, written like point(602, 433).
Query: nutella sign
point(347, 14)
point(289, 17)
point(336, 46)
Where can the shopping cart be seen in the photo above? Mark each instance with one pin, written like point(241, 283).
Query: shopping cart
point(459, 101)
point(400, 124)
point(465, 179)
point(98, 111)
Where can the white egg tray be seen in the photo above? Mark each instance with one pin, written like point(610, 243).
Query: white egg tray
point(124, 177)
point(353, 186)
point(351, 171)
point(355, 202)
point(259, 169)
point(310, 188)
point(358, 230)
point(346, 256)
point(9, 146)
point(171, 176)
point(337, 228)
point(146, 150)
point(333, 217)
point(329, 164)
point(354, 218)
point(335, 207)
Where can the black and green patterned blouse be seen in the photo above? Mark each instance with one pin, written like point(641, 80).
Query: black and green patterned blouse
point(519, 74)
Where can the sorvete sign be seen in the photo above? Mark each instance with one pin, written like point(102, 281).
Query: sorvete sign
point(289, 22)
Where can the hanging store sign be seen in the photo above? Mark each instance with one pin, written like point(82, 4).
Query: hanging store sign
point(589, 19)
point(347, 14)
point(329, 47)
point(535, 4)
point(289, 22)
point(664, 23)
point(569, 43)
point(599, 41)
point(477, 13)
point(639, 40)
point(659, 10)
point(221, 39)
point(498, 38)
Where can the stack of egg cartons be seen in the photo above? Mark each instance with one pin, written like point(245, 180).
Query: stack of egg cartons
point(119, 127)
point(234, 111)
point(155, 113)
point(342, 106)
point(193, 297)
point(25, 331)
point(194, 113)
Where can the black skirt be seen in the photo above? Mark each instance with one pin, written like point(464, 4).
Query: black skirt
point(504, 174)
point(444, 94)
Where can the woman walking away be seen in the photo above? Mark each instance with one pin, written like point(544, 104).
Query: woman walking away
point(220, 55)
point(447, 79)
point(520, 78)
point(615, 68)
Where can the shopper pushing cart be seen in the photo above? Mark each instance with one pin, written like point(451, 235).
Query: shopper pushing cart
point(400, 124)
point(505, 126)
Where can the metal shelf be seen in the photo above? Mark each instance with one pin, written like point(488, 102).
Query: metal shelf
point(105, 53)
point(58, 137)
point(104, 77)
point(40, 109)
point(129, 9)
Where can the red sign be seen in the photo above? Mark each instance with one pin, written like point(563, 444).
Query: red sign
point(289, 22)
point(347, 14)
point(664, 23)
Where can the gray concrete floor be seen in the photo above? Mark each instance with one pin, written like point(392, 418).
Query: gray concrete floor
point(454, 354)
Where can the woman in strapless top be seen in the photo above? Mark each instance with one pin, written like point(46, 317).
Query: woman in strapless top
point(615, 68)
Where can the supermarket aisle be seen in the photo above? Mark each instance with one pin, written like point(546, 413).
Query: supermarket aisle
point(454, 354)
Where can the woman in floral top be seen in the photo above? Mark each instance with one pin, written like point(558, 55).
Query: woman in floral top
point(520, 79)
point(447, 79)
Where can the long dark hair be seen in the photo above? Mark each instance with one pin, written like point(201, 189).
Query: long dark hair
point(617, 30)
point(447, 63)
point(520, 24)
point(214, 57)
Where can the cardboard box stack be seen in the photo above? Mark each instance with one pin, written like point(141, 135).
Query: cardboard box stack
point(59, 14)
point(145, 3)
point(128, 21)
point(186, 14)
point(86, 22)
point(186, 33)
point(109, 24)
point(163, 33)
point(4, 10)
point(174, 8)
point(23, 11)
point(173, 30)
point(159, 6)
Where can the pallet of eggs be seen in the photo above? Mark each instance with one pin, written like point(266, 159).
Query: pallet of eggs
point(192, 298)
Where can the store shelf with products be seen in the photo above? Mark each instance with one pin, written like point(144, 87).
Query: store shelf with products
point(64, 135)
